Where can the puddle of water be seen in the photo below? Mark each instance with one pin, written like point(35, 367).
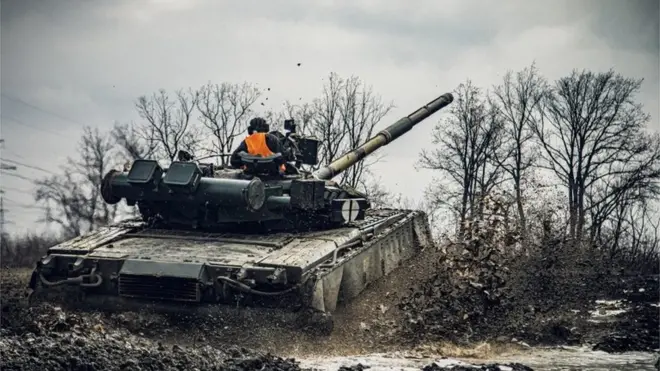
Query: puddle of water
point(582, 358)
point(556, 359)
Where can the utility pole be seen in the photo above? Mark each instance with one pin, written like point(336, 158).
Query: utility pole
point(2, 213)
point(3, 166)
point(2, 205)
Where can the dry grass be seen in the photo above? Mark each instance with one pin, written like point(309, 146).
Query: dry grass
point(24, 251)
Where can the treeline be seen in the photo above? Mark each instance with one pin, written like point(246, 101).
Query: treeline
point(24, 250)
point(569, 158)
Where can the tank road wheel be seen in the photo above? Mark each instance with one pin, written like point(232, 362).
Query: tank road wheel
point(316, 322)
point(32, 298)
point(230, 295)
point(35, 293)
point(226, 294)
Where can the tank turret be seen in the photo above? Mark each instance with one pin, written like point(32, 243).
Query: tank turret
point(257, 195)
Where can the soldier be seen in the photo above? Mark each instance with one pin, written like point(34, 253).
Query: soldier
point(258, 142)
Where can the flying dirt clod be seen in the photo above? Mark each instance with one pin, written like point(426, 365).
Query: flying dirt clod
point(255, 235)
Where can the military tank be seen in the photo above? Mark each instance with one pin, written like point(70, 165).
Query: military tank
point(256, 234)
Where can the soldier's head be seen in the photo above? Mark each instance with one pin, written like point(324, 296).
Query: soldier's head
point(259, 125)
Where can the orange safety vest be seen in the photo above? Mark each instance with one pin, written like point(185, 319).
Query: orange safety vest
point(256, 145)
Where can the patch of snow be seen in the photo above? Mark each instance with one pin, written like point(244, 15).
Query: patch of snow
point(606, 312)
point(609, 302)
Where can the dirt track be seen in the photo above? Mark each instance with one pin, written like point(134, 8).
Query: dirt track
point(46, 337)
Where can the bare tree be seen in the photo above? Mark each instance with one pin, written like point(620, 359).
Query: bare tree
point(380, 197)
point(344, 117)
point(136, 141)
point(276, 118)
point(168, 122)
point(517, 100)
point(327, 125)
point(614, 196)
point(73, 200)
point(468, 140)
point(304, 115)
point(361, 110)
point(644, 238)
point(630, 235)
point(592, 134)
point(225, 111)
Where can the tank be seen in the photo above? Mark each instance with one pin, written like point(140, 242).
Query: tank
point(265, 233)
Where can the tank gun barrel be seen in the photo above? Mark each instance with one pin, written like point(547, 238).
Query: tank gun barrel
point(383, 138)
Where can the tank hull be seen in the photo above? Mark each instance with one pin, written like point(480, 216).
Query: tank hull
point(129, 265)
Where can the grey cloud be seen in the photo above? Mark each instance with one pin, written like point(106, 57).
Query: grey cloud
point(627, 25)
point(449, 33)
point(89, 60)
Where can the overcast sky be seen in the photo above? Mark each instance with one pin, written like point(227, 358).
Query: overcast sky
point(69, 63)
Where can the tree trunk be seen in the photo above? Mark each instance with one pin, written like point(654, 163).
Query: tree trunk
point(521, 212)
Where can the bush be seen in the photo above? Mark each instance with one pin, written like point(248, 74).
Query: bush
point(489, 286)
point(24, 251)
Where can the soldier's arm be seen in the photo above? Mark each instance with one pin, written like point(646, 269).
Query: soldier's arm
point(273, 143)
point(235, 160)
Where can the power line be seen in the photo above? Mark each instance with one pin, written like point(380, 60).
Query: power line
point(16, 190)
point(29, 166)
point(22, 123)
point(12, 153)
point(16, 175)
point(24, 206)
point(54, 114)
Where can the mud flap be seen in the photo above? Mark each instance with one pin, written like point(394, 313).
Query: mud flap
point(385, 252)
point(326, 291)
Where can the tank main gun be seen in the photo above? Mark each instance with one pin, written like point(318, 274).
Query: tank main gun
point(383, 138)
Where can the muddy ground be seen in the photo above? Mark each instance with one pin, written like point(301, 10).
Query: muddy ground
point(546, 297)
point(408, 311)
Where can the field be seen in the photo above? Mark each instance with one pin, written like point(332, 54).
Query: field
point(46, 336)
